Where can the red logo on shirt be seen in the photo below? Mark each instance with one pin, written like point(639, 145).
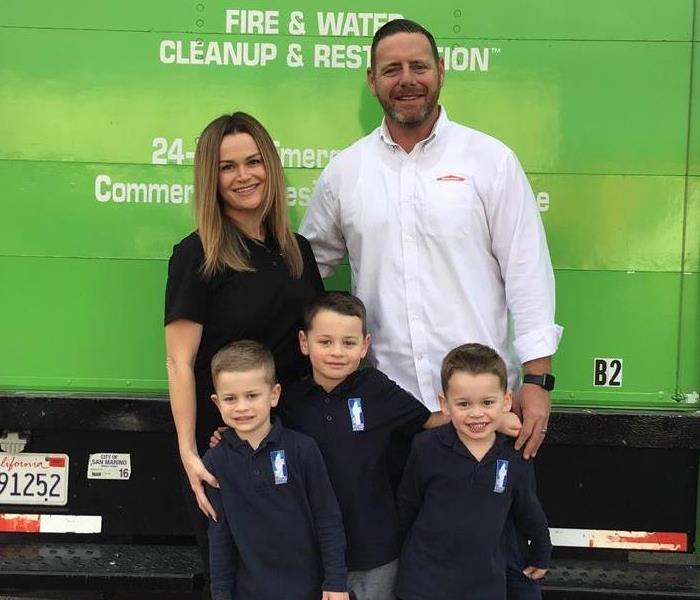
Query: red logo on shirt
point(450, 178)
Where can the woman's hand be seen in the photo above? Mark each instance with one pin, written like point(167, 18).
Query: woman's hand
point(198, 475)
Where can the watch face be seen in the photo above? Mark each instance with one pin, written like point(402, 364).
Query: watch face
point(545, 381)
point(548, 382)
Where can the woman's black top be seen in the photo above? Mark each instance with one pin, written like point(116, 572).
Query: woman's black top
point(266, 305)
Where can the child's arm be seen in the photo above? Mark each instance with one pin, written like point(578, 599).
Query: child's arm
point(531, 521)
point(328, 524)
point(510, 425)
point(409, 495)
point(534, 573)
point(222, 551)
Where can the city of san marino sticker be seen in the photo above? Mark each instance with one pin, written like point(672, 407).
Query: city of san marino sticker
point(279, 466)
point(501, 476)
point(357, 417)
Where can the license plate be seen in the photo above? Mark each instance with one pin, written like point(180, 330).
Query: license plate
point(34, 479)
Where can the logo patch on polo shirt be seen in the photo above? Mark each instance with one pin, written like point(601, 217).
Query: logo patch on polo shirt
point(357, 417)
point(279, 466)
point(501, 476)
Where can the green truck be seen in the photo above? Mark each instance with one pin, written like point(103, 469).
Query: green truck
point(101, 104)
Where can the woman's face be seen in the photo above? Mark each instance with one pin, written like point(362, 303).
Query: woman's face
point(242, 177)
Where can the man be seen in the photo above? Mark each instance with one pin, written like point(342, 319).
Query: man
point(443, 236)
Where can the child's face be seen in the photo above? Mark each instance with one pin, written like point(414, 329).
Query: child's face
point(244, 399)
point(475, 404)
point(335, 344)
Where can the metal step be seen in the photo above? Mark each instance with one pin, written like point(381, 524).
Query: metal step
point(178, 568)
point(611, 579)
point(99, 566)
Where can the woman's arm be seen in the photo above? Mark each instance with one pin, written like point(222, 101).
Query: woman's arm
point(182, 338)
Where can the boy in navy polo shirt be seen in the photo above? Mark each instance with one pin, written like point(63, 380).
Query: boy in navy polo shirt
point(461, 483)
point(279, 532)
point(353, 414)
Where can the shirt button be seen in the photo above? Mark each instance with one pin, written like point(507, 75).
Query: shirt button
point(419, 357)
point(256, 472)
point(329, 418)
point(327, 400)
point(274, 263)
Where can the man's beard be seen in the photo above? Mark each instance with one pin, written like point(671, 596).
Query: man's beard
point(413, 119)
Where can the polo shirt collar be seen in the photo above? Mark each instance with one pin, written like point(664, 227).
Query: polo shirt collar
point(448, 437)
point(231, 437)
point(437, 130)
point(312, 386)
point(270, 242)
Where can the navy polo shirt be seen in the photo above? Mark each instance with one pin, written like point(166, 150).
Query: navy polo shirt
point(353, 425)
point(455, 509)
point(279, 528)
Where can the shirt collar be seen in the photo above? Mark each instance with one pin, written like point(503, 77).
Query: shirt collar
point(440, 125)
point(341, 388)
point(308, 385)
point(270, 243)
point(231, 437)
point(447, 435)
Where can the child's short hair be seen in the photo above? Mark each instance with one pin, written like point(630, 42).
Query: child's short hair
point(475, 359)
point(342, 303)
point(241, 356)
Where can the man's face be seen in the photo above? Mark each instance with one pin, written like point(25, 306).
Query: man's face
point(406, 79)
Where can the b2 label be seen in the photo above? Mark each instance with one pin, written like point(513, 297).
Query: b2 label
point(607, 372)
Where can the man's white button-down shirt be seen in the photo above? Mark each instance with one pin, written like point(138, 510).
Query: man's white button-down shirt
point(445, 245)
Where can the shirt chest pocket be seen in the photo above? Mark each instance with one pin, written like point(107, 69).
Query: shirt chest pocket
point(448, 207)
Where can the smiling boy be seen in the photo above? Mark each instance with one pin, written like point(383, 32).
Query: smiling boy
point(279, 528)
point(461, 484)
point(353, 414)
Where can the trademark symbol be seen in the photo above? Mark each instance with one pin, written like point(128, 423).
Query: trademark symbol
point(495, 50)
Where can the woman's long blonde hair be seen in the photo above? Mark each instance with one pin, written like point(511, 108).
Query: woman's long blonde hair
point(223, 241)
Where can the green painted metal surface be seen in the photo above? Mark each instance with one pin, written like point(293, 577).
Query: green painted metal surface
point(82, 324)
point(632, 317)
point(564, 106)
point(694, 135)
point(600, 100)
point(538, 19)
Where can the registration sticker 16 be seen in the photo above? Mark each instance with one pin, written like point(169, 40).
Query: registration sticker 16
point(34, 479)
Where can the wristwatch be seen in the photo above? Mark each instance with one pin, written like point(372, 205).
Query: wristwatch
point(545, 381)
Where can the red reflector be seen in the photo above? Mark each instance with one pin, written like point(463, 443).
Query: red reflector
point(19, 523)
point(57, 461)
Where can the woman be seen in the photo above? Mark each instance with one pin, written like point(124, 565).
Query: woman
point(242, 274)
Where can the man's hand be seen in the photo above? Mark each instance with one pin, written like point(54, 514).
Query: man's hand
point(197, 475)
point(534, 404)
point(335, 596)
point(534, 573)
point(510, 425)
point(217, 436)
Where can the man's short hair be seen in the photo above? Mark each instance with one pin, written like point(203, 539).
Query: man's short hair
point(475, 359)
point(401, 26)
point(242, 356)
point(342, 303)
